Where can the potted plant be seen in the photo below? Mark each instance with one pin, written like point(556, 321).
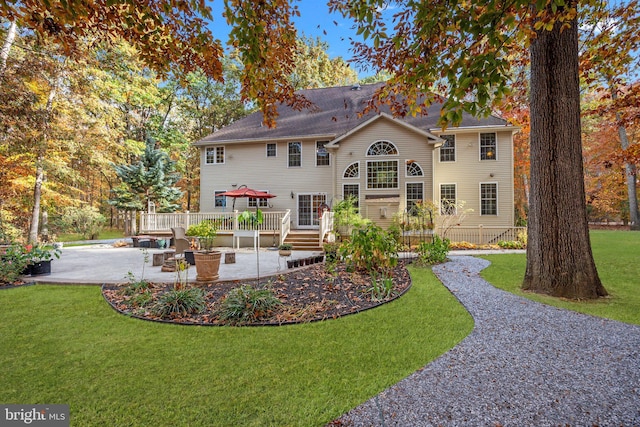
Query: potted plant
point(207, 260)
point(285, 249)
point(40, 258)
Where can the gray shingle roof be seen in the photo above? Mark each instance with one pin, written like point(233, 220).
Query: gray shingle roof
point(335, 114)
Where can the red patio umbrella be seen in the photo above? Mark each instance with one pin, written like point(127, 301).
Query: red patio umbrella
point(246, 192)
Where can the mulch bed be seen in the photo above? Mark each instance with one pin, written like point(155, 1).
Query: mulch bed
point(307, 294)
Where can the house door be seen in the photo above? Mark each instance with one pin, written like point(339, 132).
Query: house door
point(308, 204)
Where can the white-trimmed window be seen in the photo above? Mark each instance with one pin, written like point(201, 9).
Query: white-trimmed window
point(218, 200)
point(382, 174)
point(447, 199)
point(261, 203)
point(295, 154)
point(488, 198)
point(413, 169)
point(415, 194)
point(322, 155)
point(272, 149)
point(488, 146)
point(448, 149)
point(352, 171)
point(382, 148)
point(214, 155)
point(351, 190)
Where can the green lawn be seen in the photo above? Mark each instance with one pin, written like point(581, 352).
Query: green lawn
point(617, 259)
point(106, 233)
point(64, 344)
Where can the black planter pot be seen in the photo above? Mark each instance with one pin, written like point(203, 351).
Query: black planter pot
point(188, 256)
point(41, 268)
point(27, 270)
point(289, 264)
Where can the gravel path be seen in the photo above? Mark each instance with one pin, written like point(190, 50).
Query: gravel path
point(524, 364)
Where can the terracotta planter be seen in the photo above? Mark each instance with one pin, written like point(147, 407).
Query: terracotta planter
point(207, 266)
point(284, 252)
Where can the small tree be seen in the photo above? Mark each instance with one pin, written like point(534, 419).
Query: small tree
point(149, 179)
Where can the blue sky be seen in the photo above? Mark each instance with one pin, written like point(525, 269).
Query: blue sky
point(315, 21)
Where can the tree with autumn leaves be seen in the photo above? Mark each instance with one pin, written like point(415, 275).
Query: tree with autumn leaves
point(454, 52)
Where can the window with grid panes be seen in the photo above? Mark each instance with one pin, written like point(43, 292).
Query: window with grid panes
point(448, 149)
point(413, 168)
point(271, 150)
point(214, 155)
point(218, 200)
point(382, 174)
point(295, 154)
point(351, 190)
point(322, 155)
point(447, 199)
point(414, 194)
point(489, 198)
point(488, 146)
point(352, 171)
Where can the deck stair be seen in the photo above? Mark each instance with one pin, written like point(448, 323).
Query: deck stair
point(304, 240)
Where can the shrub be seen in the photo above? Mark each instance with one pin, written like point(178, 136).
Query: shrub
point(433, 252)
point(179, 302)
point(346, 216)
point(371, 249)
point(85, 220)
point(247, 304)
point(13, 263)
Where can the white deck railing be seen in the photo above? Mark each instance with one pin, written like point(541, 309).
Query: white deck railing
point(481, 235)
point(228, 221)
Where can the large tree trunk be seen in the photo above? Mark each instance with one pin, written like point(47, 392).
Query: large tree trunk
point(559, 257)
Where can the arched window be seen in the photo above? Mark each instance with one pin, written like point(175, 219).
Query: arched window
point(352, 171)
point(382, 148)
point(414, 169)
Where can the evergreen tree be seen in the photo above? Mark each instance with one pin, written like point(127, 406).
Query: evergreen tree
point(150, 179)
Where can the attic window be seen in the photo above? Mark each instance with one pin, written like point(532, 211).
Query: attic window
point(382, 148)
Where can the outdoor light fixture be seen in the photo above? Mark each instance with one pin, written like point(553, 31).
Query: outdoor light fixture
point(292, 194)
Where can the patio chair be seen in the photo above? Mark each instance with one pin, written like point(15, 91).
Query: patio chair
point(180, 240)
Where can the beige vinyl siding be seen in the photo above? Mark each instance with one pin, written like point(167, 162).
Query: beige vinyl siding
point(468, 171)
point(248, 164)
point(411, 146)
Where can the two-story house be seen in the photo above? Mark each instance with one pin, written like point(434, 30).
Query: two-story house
point(330, 152)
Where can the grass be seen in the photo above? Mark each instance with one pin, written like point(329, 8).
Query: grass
point(63, 344)
point(616, 256)
point(107, 233)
